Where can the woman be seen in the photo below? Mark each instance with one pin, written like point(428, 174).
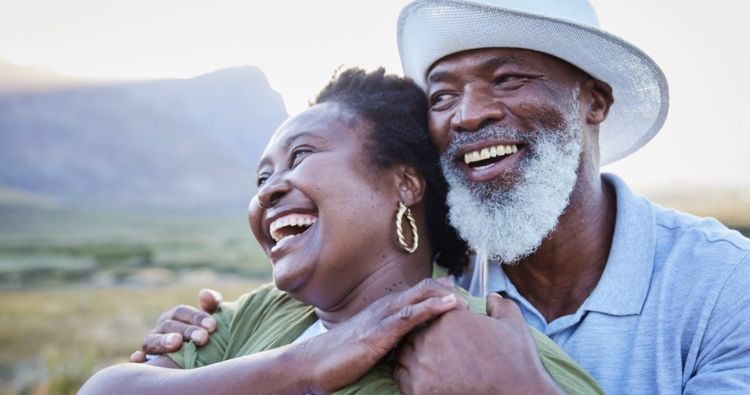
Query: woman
point(350, 209)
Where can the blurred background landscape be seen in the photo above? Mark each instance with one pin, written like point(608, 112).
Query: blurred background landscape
point(116, 201)
point(129, 134)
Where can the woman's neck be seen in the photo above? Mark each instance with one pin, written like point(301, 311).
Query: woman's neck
point(394, 273)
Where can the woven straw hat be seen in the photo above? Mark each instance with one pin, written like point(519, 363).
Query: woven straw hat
point(429, 30)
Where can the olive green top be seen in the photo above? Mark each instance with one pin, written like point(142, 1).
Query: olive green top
point(269, 318)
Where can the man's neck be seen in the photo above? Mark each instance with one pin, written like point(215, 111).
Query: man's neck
point(565, 269)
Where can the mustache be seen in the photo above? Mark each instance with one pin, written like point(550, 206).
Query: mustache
point(528, 138)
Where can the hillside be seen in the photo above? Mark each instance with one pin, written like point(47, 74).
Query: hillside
point(178, 144)
point(17, 79)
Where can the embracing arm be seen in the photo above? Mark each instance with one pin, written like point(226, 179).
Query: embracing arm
point(321, 364)
point(265, 373)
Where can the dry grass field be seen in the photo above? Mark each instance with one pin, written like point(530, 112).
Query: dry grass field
point(79, 290)
point(51, 340)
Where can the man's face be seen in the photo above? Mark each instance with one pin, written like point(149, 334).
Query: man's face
point(507, 125)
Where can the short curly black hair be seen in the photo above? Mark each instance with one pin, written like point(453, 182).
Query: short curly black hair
point(397, 109)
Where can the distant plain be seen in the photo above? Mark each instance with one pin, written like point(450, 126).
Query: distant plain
point(79, 289)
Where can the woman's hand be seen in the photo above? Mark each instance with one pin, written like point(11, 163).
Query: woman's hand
point(342, 355)
point(181, 323)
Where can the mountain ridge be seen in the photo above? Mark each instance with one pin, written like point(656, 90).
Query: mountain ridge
point(173, 143)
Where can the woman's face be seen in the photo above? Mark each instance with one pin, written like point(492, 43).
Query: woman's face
point(323, 216)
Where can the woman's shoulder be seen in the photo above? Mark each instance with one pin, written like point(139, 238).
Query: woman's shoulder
point(265, 302)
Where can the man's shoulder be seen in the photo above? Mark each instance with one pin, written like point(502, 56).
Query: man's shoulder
point(699, 237)
point(691, 258)
point(705, 264)
point(677, 232)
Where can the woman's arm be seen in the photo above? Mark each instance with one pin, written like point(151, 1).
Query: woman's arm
point(280, 371)
point(321, 364)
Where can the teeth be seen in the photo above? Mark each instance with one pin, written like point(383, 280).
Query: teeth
point(302, 220)
point(484, 154)
point(492, 152)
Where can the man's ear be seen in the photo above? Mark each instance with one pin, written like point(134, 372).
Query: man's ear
point(410, 185)
point(600, 99)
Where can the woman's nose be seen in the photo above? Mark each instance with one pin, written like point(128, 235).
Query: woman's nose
point(272, 191)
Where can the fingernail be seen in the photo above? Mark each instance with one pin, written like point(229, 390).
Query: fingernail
point(171, 339)
point(199, 336)
point(217, 296)
point(450, 298)
point(208, 323)
point(495, 295)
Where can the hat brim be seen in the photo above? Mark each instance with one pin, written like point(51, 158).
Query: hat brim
point(429, 30)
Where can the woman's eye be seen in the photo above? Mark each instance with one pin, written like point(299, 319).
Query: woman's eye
point(298, 154)
point(262, 178)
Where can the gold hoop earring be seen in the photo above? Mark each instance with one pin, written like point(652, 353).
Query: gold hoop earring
point(402, 209)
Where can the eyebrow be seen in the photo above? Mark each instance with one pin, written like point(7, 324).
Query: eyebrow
point(487, 65)
point(288, 142)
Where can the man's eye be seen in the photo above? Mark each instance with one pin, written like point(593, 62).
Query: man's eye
point(510, 80)
point(441, 101)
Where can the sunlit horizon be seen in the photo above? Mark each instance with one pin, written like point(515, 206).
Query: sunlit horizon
point(298, 45)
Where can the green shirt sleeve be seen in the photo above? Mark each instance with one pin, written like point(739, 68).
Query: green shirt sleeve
point(191, 356)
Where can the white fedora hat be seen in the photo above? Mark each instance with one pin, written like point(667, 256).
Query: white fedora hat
point(429, 30)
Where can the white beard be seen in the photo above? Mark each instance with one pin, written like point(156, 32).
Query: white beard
point(509, 222)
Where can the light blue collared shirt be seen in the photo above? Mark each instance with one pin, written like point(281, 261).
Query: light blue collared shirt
point(671, 312)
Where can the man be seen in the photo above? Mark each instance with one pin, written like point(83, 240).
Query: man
point(527, 101)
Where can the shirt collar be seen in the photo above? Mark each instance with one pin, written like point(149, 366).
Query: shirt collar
point(624, 284)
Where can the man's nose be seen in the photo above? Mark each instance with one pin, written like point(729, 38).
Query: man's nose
point(273, 190)
point(476, 109)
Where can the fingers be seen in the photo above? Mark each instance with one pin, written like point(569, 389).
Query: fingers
point(425, 289)
point(493, 302)
point(209, 300)
point(401, 377)
point(448, 281)
point(412, 315)
point(161, 344)
point(138, 357)
point(188, 332)
point(190, 315)
point(499, 307)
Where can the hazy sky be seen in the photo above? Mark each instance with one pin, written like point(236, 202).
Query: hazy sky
point(702, 49)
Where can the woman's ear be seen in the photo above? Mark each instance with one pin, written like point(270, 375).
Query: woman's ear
point(601, 100)
point(410, 185)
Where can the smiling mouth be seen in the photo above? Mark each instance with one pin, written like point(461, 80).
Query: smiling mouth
point(488, 156)
point(289, 226)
